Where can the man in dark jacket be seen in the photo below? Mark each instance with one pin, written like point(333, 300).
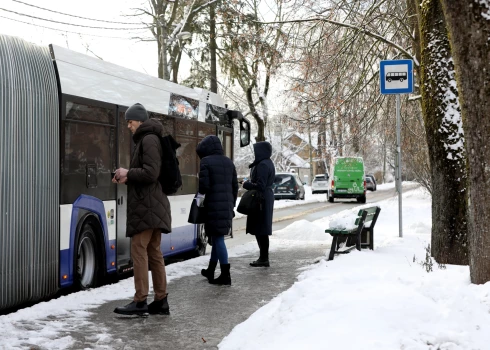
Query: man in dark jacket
point(262, 176)
point(148, 213)
point(218, 182)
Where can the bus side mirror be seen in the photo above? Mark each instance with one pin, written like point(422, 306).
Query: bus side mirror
point(244, 132)
point(244, 126)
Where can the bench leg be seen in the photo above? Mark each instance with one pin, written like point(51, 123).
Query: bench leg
point(358, 241)
point(333, 248)
point(371, 237)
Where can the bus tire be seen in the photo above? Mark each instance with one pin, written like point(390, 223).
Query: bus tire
point(201, 242)
point(87, 258)
point(330, 198)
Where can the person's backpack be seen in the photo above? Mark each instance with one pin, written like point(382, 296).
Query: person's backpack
point(169, 178)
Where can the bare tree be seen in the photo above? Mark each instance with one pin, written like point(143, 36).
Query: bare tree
point(374, 29)
point(171, 25)
point(250, 53)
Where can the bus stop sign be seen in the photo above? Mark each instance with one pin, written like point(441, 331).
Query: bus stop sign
point(396, 77)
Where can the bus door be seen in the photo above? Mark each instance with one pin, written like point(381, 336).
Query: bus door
point(124, 146)
point(226, 137)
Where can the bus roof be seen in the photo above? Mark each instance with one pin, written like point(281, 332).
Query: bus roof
point(95, 79)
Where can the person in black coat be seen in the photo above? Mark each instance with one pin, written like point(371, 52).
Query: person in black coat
point(262, 176)
point(218, 183)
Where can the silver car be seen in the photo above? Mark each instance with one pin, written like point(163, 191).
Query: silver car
point(370, 182)
point(320, 184)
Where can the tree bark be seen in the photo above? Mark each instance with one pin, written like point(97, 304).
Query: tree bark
point(469, 33)
point(260, 122)
point(212, 48)
point(442, 119)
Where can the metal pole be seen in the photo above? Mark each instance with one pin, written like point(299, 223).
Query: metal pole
point(399, 165)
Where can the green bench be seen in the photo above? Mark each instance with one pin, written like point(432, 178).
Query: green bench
point(362, 236)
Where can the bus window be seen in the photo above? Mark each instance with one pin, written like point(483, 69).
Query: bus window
point(186, 135)
point(124, 143)
point(167, 122)
point(205, 129)
point(89, 153)
point(185, 127)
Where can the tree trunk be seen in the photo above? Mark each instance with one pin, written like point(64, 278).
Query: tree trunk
point(260, 122)
point(469, 32)
point(212, 48)
point(444, 138)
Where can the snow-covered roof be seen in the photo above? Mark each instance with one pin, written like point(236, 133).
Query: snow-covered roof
point(305, 137)
point(294, 158)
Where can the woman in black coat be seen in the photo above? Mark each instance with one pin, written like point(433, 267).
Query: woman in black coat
point(218, 182)
point(262, 176)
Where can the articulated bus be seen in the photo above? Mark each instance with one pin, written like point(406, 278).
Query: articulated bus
point(62, 220)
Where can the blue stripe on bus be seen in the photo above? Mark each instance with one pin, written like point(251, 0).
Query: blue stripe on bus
point(65, 263)
point(67, 257)
point(183, 239)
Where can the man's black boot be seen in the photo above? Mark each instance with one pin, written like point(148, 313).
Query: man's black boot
point(260, 263)
point(133, 308)
point(224, 278)
point(159, 307)
point(209, 272)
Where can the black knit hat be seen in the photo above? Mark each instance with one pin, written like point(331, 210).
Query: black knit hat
point(136, 112)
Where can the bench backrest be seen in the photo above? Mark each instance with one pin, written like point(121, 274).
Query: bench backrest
point(371, 215)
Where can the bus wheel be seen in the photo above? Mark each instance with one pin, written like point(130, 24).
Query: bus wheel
point(330, 198)
point(86, 258)
point(202, 241)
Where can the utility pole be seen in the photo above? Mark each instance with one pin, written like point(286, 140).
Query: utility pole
point(310, 150)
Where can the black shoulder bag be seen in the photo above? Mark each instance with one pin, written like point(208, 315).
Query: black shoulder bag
point(250, 203)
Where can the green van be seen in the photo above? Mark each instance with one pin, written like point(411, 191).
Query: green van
point(347, 179)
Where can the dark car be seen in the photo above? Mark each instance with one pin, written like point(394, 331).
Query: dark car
point(288, 186)
point(370, 182)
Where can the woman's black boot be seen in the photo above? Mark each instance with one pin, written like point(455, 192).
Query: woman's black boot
point(225, 277)
point(209, 272)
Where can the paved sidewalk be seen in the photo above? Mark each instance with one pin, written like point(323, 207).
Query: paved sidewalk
point(201, 315)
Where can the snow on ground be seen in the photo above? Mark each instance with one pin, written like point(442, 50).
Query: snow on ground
point(381, 299)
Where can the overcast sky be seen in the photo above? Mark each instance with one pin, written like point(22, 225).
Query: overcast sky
point(115, 46)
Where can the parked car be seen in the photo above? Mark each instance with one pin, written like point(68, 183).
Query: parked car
point(288, 186)
point(320, 184)
point(369, 184)
point(373, 179)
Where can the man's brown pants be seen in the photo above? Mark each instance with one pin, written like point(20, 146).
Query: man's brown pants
point(145, 248)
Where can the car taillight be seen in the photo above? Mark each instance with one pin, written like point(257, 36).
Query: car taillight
point(364, 184)
point(296, 187)
point(333, 183)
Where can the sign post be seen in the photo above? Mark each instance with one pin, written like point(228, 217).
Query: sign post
point(396, 77)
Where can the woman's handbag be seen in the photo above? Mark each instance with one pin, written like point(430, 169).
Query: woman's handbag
point(197, 214)
point(250, 203)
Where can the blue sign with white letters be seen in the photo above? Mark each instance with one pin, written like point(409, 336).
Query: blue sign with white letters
point(396, 77)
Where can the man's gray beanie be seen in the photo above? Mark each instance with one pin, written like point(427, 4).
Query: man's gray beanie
point(136, 112)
